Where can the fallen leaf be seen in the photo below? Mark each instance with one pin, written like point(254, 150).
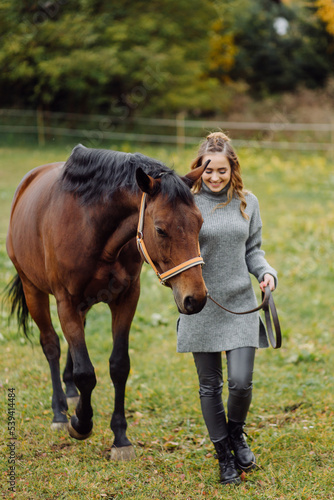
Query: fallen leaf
point(171, 444)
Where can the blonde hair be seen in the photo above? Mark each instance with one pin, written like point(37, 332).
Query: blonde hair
point(218, 142)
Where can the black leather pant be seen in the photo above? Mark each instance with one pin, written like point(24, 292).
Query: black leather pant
point(240, 364)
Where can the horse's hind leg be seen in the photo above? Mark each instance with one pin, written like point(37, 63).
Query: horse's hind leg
point(38, 305)
point(72, 394)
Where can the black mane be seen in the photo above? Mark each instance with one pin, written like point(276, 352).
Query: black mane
point(96, 174)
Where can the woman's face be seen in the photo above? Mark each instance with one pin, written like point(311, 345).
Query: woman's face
point(218, 173)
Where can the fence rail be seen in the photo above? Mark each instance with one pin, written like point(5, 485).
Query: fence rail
point(93, 129)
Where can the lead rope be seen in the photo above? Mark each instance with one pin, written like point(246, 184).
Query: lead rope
point(269, 308)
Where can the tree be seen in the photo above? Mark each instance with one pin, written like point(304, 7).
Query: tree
point(272, 47)
point(91, 55)
point(157, 57)
point(325, 11)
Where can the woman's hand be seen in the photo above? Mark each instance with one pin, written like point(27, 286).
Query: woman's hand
point(268, 279)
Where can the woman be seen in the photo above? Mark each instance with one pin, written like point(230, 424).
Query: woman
point(230, 241)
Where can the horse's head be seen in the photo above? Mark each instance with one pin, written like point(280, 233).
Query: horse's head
point(172, 223)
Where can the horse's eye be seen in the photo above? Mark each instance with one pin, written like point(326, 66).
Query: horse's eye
point(160, 231)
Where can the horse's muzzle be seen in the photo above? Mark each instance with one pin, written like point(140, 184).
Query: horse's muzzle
point(193, 305)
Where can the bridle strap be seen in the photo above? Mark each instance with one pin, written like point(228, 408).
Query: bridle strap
point(163, 277)
point(269, 308)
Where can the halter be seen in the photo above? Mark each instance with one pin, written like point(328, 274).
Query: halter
point(163, 277)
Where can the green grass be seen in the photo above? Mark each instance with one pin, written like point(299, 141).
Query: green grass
point(290, 423)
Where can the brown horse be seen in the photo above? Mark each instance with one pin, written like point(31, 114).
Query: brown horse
point(72, 234)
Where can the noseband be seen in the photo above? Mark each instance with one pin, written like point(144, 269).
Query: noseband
point(163, 277)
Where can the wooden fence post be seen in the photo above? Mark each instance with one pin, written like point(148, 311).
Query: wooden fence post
point(180, 129)
point(332, 138)
point(40, 127)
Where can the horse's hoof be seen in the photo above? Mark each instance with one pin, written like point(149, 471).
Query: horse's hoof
point(123, 453)
point(73, 400)
point(59, 426)
point(75, 434)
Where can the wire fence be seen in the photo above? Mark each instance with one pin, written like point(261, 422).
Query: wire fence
point(92, 130)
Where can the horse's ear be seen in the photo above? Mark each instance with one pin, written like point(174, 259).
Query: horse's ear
point(146, 183)
point(195, 174)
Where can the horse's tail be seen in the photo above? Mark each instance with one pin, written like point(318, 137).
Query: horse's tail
point(15, 295)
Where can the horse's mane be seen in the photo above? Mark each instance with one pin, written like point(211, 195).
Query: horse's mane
point(96, 174)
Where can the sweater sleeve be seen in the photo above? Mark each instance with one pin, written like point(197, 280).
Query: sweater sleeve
point(255, 257)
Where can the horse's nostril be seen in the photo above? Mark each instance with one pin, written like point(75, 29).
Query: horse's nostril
point(193, 305)
point(189, 304)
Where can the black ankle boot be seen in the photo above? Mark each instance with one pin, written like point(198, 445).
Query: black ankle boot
point(228, 471)
point(244, 456)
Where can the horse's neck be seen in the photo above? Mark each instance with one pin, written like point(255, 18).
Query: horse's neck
point(119, 221)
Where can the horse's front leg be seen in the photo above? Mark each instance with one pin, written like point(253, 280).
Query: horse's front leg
point(72, 395)
point(72, 322)
point(119, 364)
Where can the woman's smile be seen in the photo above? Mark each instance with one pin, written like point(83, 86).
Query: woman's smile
point(218, 173)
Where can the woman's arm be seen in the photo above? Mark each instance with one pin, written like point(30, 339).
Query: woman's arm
point(255, 257)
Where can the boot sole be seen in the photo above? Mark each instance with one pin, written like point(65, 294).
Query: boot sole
point(249, 468)
point(237, 480)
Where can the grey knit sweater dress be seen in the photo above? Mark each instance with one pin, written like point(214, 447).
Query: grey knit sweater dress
point(231, 249)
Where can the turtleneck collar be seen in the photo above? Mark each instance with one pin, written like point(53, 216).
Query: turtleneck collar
point(219, 197)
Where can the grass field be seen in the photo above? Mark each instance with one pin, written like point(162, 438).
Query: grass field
point(290, 423)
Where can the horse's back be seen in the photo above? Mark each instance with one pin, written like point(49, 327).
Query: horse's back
point(32, 176)
point(29, 205)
